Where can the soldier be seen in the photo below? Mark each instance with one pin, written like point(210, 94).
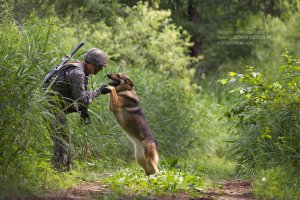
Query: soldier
point(69, 94)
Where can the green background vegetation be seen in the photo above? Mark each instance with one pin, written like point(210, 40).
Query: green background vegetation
point(172, 51)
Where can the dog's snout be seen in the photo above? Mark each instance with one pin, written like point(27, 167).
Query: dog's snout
point(109, 75)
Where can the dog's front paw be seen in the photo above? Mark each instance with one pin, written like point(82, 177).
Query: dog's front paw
point(110, 87)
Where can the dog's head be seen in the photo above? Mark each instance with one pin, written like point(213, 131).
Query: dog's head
point(120, 81)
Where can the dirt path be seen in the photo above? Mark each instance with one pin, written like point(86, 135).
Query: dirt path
point(230, 190)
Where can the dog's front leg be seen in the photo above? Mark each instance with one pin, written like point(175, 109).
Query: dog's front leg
point(114, 103)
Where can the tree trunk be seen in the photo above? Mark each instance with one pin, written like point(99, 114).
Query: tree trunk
point(197, 48)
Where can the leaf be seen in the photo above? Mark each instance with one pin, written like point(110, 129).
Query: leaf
point(277, 85)
point(263, 96)
point(232, 80)
point(255, 74)
point(296, 68)
point(240, 75)
point(231, 74)
point(248, 95)
point(223, 81)
point(89, 163)
point(266, 136)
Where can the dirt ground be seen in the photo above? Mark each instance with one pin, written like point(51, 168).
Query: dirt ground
point(230, 190)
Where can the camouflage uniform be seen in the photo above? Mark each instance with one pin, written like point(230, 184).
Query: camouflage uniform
point(69, 93)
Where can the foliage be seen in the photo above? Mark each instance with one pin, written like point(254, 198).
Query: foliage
point(266, 123)
point(177, 175)
point(277, 183)
point(75, 11)
point(276, 36)
point(266, 129)
point(201, 19)
point(205, 19)
point(32, 174)
point(143, 38)
point(26, 50)
point(171, 180)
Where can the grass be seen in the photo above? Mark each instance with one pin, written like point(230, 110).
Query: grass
point(277, 183)
point(175, 177)
point(33, 177)
point(134, 181)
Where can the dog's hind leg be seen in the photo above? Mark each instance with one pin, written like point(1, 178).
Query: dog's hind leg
point(151, 158)
point(139, 155)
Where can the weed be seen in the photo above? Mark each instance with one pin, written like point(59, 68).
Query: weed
point(133, 181)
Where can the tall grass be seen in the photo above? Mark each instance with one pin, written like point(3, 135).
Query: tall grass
point(26, 53)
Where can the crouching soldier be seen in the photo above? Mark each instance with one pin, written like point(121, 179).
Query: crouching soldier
point(68, 92)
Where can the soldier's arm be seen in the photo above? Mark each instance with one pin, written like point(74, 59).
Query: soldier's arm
point(77, 84)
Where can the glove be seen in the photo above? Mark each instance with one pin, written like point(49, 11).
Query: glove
point(104, 89)
point(84, 115)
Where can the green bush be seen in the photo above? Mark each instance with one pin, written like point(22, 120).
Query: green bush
point(276, 36)
point(266, 123)
point(141, 37)
point(134, 181)
point(277, 183)
point(265, 126)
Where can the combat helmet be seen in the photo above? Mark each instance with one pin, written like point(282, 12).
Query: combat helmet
point(96, 57)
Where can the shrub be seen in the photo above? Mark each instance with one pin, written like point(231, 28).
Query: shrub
point(266, 127)
point(277, 183)
point(132, 181)
point(266, 123)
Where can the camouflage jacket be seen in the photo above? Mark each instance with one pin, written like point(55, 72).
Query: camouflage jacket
point(70, 85)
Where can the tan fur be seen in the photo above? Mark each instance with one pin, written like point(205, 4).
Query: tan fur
point(124, 103)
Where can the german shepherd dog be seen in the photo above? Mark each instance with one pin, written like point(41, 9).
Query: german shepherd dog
point(125, 105)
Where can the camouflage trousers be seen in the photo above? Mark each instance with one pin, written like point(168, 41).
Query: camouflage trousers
point(60, 134)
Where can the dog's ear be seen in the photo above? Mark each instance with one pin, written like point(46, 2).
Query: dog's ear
point(129, 82)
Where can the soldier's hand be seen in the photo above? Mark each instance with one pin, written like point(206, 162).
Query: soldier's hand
point(104, 89)
point(84, 115)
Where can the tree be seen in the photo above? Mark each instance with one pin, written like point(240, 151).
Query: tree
point(203, 18)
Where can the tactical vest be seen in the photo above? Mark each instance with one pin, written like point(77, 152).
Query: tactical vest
point(59, 87)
